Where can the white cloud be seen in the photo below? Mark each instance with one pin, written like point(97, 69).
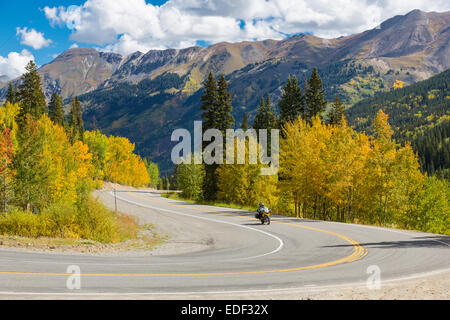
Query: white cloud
point(74, 45)
point(131, 25)
point(32, 38)
point(14, 64)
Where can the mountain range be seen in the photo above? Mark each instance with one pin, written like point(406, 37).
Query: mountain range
point(144, 96)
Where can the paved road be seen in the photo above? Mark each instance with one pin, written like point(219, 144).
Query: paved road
point(235, 254)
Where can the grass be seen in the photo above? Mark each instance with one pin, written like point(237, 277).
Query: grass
point(176, 196)
point(70, 224)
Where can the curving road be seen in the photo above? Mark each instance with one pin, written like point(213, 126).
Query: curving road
point(227, 251)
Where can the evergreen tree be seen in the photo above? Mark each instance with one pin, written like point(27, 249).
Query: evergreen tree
point(292, 103)
point(31, 172)
point(216, 104)
point(315, 96)
point(30, 94)
point(56, 111)
point(244, 125)
point(76, 129)
point(265, 116)
point(209, 103)
point(337, 112)
point(226, 119)
point(258, 122)
point(265, 119)
point(12, 96)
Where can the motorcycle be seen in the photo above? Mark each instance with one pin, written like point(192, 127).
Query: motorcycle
point(263, 216)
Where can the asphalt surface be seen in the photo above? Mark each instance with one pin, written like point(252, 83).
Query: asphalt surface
point(227, 251)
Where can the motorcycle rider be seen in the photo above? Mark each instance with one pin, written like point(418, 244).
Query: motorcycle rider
point(260, 210)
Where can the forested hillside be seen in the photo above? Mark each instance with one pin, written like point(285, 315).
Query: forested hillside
point(145, 96)
point(49, 167)
point(419, 113)
point(327, 169)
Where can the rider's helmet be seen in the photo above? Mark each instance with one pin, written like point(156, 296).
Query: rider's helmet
point(261, 204)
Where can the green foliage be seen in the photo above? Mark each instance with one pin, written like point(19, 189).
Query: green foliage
point(98, 147)
point(418, 113)
point(209, 103)
point(32, 171)
point(431, 210)
point(30, 94)
point(153, 172)
point(52, 176)
point(63, 219)
point(13, 95)
point(337, 112)
point(216, 107)
point(164, 183)
point(189, 179)
point(242, 184)
point(334, 173)
point(56, 111)
point(225, 119)
point(292, 103)
point(314, 96)
point(76, 125)
point(433, 148)
point(265, 116)
point(244, 125)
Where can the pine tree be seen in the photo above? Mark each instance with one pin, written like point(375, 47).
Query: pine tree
point(265, 116)
point(76, 126)
point(31, 172)
point(337, 112)
point(292, 103)
point(258, 122)
point(244, 125)
point(209, 103)
point(56, 111)
point(315, 96)
point(30, 94)
point(216, 104)
point(226, 119)
point(12, 96)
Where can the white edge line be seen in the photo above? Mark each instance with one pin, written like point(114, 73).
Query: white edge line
point(214, 220)
point(380, 228)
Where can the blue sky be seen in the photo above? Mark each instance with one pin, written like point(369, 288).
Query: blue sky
point(28, 13)
point(40, 30)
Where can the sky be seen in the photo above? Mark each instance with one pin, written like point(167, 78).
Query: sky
point(40, 30)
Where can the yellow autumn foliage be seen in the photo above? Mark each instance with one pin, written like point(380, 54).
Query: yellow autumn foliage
point(115, 161)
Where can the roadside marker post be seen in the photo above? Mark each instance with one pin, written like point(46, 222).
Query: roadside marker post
point(115, 201)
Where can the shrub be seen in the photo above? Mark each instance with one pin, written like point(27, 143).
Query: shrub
point(88, 220)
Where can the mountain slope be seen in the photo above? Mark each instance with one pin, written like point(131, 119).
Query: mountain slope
point(419, 113)
point(353, 67)
point(417, 41)
point(144, 96)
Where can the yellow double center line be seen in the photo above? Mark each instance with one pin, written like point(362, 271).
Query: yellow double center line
point(358, 253)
